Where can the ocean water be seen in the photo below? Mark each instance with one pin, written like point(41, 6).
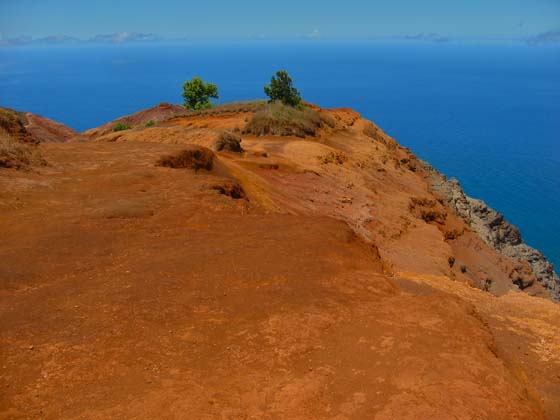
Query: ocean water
point(488, 115)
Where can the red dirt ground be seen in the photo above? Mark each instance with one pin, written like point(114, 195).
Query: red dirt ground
point(129, 290)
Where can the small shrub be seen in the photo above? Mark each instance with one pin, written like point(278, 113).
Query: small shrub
point(463, 268)
point(121, 127)
point(229, 141)
point(150, 123)
point(451, 261)
point(195, 157)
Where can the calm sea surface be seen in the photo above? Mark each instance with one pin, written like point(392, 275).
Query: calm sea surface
point(487, 115)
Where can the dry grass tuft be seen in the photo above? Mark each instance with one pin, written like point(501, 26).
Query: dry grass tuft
point(281, 120)
point(338, 158)
point(230, 108)
point(195, 157)
point(377, 135)
point(12, 125)
point(230, 189)
point(452, 234)
point(229, 141)
point(17, 155)
point(426, 209)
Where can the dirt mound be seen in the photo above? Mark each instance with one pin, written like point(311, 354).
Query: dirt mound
point(148, 117)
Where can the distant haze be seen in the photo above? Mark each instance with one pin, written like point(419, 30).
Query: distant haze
point(251, 19)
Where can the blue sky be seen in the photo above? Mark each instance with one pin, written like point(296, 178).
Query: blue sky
point(229, 19)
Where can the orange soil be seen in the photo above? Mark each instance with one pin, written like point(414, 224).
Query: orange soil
point(129, 290)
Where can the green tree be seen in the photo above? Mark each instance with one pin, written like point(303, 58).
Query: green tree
point(282, 89)
point(197, 94)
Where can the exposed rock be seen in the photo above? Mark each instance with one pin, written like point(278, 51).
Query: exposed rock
point(497, 232)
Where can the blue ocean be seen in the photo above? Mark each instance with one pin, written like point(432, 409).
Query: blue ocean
point(488, 115)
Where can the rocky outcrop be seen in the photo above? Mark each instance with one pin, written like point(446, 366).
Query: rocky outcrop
point(497, 232)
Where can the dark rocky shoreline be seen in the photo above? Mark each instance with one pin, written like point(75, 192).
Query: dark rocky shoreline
point(494, 229)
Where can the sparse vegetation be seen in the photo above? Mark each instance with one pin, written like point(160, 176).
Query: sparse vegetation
point(232, 108)
point(434, 216)
point(121, 127)
point(229, 141)
point(334, 157)
point(372, 131)
point(487, 284)
point(279, 119)
point(281, 89)
point(424, 208)
point(197, 94)
point(451, 261)
point(230, 189)
point(452, 234)
point(150, 123)
point(195, 157)
point(377, 135)
point(17, 155)
point(12, 126)
point(421, 202)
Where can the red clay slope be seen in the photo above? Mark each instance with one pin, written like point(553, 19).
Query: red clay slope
point(130, 290)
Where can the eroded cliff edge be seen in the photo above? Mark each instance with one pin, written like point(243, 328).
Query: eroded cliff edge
point(492, 227)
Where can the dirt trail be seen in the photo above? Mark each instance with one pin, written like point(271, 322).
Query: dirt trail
point(129, 290)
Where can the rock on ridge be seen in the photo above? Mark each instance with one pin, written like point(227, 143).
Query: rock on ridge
point(493, 229)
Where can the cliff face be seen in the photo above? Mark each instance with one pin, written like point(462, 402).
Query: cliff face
point(154, 272)
point(492, 227)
